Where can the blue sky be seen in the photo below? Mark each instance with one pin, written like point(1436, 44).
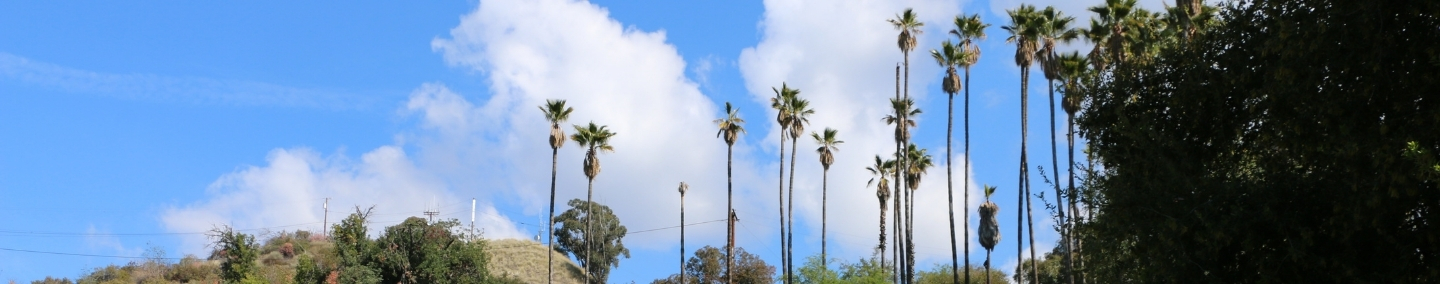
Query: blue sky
point(130, 126)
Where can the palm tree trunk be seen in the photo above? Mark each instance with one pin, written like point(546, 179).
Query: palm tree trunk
point(550, 257)
point(730, 207)
point(790, 219)
point(897, 261)
point(882, 233)
point(589, 240)
point(987, 267)
point(682, 238)
point(966, 171)
point(782, 197)
point(1020, 186)
point(950, 188)
point(824, 191)
point(1074, 213)
point(909, 248)
point(1055, 167)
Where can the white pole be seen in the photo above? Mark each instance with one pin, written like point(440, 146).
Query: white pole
point(472, 217)
point(325, 223)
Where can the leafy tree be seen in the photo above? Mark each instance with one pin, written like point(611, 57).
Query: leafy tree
point(1293, 142)
point(708, 267)
point(604, 244)
point(944, 273)
point(237, 252)
point(354, 249)
point(415, 251)
point(309, 272)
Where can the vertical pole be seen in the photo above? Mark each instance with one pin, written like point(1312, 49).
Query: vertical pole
point(472, 217)
point(325, 223)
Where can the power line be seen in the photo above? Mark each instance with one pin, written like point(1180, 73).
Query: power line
point(672, 227)
point(89, 255)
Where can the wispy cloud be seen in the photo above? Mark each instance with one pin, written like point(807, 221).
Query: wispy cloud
point(158, 88)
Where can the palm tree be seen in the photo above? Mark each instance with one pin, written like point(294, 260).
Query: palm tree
point(683, 189)
point(968, 29)
point(730, 129)
point(828, 145)
point(1096, 35)
point(800, 112)
point(595, 139)
point(989, 227)
point(909, 25)
point(1024, 28)
point(555, 112)
point(881, 170)
point(781, 104)
point(918, 163)
point(903, 110)
point(1113, 15)
point(1054, 28)
point(949, 56)
point(1072, 67)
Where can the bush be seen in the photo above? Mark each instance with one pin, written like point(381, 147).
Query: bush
point(192, 269)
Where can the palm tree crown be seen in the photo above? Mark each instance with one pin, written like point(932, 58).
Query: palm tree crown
point(950, 56)
point(556, 113)
point(917, 162)
point(1024, 30)
point(731, 126)
point(828, 145)
point(594, 138)
point(903, 111)
point(909, 25)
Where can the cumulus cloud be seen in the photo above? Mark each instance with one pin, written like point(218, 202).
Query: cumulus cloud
point(287, 194)
point(842, 56)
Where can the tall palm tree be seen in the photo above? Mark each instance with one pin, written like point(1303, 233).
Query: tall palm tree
point(902, 112)
point(881, 171)
point(1054, 28)
point(683, 189)
point(908, 23)
point(781, 104)
point(800, 112)
point(595, 139)
point(1096, 35)
point(918, 163)
point(949, 56)
point(898, 242)
point(989, 227)
point(1072, 67)
point(731, 126)
point(555, 112)
point(1024, 28)
point(968, 29)
point(828, 145)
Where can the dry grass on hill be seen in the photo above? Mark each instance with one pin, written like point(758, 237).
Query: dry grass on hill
point(525, 260)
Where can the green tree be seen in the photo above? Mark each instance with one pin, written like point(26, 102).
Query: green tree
point(603, 239)
point(968, 29)
point(555, 112)
point(828, 145)
point(1318, 115)
point(354, 249)
point(237, 252)
point(595, 139)
point(708, 267)
point(731, 126)
point(415, 251)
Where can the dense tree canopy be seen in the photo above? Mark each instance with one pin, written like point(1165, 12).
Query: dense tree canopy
point(605, 244)
point(1295, 140)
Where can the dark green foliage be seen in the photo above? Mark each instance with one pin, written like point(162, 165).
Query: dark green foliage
point(606, 241)
point(708, 267)
point(417, 252)
point(1051, 269)
point(1294, 142)
point(941, 274)
point(237, 252)
point(308, 272)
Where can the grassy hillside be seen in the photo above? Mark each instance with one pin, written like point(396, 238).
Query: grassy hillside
point(525, 260)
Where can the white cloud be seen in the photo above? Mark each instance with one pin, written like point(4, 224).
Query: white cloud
point(630, 80)
point(842, 55)
point(287, 194)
